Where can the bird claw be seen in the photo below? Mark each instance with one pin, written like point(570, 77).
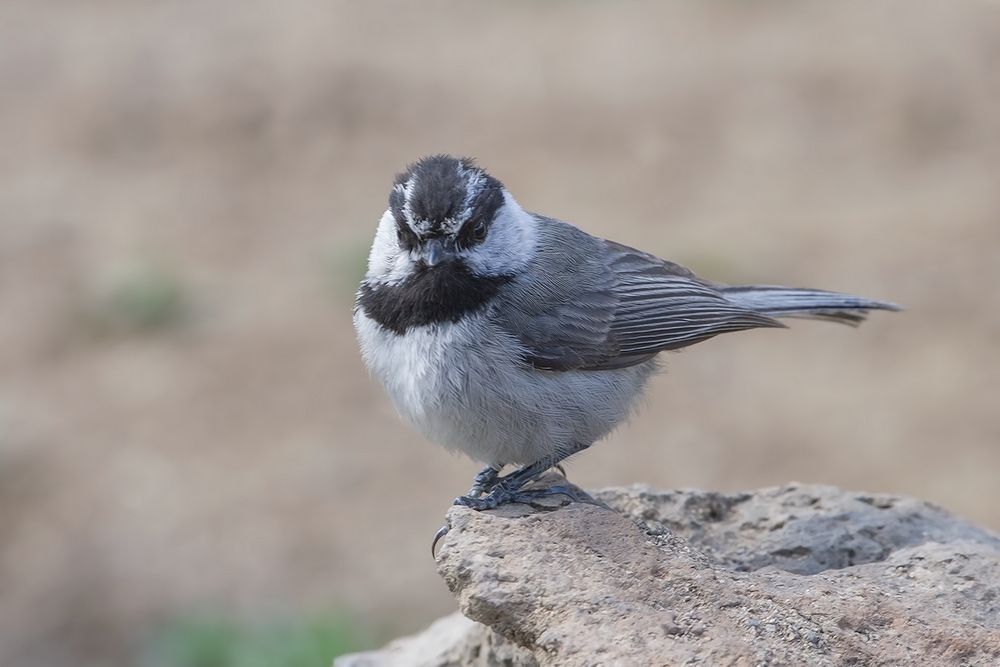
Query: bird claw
point(500, 496)
point(507, 489)
point(487, 502)
point(564, 490)
point(437, 538)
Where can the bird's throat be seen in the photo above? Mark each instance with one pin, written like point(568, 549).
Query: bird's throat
point(432, 295)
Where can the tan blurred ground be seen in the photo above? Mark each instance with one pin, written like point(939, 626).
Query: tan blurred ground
point(244, 461)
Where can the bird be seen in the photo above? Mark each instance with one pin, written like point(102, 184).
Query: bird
point(521, 340)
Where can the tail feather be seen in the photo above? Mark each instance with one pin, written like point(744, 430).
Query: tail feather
point(777, 301)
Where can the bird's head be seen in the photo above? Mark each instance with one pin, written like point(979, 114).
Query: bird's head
point(447, 214)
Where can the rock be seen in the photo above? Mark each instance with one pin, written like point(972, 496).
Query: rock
point(804, 529)
point(795, 575)
point(452, 641)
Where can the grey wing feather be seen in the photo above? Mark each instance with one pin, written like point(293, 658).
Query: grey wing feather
point(664, 306)
point(561, 314)
point(598, 305)
point(572, 336)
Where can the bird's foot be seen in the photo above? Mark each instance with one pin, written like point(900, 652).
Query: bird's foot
point(484, 482)
point(500, 496)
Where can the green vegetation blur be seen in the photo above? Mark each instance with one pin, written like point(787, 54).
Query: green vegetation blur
point(213, 641)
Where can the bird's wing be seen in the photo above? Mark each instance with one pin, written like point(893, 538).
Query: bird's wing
point(602, 305)
point(664, 306)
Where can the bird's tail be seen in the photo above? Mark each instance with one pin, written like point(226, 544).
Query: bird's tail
point(807, 303)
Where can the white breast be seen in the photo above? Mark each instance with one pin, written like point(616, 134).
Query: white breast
point(410, 366)
point(465, 387)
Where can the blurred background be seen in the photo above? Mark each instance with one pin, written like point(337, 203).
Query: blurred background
point(196, 470)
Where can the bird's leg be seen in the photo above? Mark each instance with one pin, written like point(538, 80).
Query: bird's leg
point(507, 489)
point(483, 483)
point(485, 480)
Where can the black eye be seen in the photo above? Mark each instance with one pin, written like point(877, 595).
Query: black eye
point(473, 232)
point(479, 230)
point(407, 237)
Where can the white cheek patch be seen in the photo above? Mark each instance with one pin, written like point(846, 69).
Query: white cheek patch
point(387, 262)
point(509, 245)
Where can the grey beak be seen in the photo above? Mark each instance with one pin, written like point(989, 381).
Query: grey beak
point(436, 252)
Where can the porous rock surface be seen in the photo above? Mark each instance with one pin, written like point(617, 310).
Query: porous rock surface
point(794, 575)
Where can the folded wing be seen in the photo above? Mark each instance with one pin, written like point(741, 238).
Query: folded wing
point(644, 305)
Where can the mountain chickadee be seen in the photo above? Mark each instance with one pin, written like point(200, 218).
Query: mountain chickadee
point(521, 339)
